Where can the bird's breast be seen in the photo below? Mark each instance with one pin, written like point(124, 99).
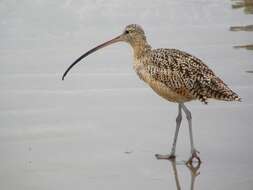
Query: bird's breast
point(140, 70)
point(160, 88)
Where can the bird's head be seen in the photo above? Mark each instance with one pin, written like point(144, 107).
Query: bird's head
point(132, 34)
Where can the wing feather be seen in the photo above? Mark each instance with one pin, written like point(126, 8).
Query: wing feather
point(181, 72)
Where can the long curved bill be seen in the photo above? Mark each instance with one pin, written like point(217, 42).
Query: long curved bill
point(114, 40)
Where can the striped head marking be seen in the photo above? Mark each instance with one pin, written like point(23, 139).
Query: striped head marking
point(133, 33)
point(134, 29)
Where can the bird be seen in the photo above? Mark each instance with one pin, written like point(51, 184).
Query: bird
point(173, 74)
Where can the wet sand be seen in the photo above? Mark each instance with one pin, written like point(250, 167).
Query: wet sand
point(102, 126)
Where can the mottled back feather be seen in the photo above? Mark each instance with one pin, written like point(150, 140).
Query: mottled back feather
point(186, 75)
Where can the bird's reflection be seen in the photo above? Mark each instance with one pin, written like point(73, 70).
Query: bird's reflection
point(194, 172)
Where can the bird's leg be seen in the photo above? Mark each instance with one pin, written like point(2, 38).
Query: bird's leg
point(173, 150)
point(194, 152)
point(194, 173)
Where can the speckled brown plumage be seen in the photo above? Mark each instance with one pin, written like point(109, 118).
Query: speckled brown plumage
point(185, 75)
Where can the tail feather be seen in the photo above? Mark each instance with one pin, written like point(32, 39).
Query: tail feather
point(215, 88)
point(220, 91)
point(227, 96)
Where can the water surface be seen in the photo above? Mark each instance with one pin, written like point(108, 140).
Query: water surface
point(102, 126)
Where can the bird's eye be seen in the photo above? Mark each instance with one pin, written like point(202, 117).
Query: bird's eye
point(127, 31)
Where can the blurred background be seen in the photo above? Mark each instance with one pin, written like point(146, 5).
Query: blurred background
point(100, 128)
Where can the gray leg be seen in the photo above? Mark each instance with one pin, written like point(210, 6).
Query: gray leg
point(189, 119)
point(178, 123)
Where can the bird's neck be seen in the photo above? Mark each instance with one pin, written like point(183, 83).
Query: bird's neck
point(140, 48)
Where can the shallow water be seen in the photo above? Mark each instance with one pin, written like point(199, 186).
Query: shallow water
point(102, 126)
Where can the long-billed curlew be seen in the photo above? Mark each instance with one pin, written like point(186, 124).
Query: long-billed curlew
point(174, 75)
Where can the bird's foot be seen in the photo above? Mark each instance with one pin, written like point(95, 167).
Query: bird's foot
point(165, 157)
point(193, 157)
point(194, 169)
